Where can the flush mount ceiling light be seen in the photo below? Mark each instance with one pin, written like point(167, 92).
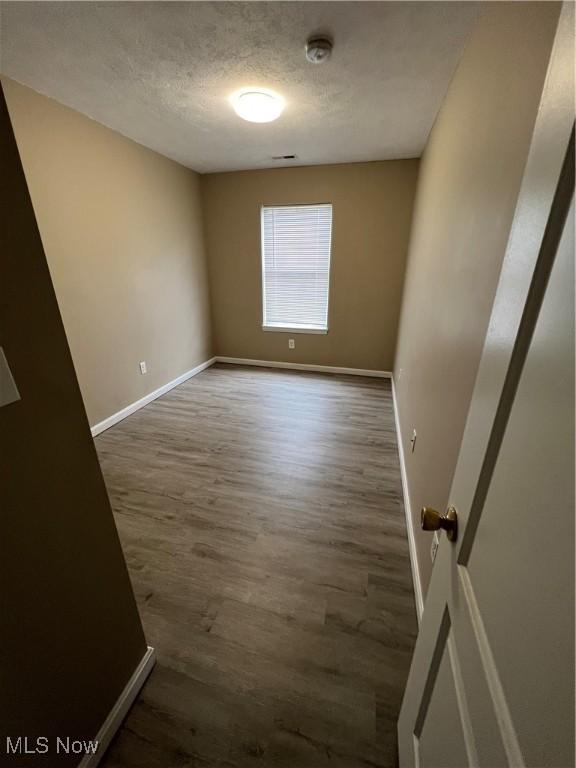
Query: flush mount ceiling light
point(257, 105)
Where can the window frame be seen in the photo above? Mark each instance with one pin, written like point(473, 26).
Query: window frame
point(288, 328)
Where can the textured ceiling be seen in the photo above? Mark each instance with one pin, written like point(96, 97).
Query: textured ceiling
point(161, 73)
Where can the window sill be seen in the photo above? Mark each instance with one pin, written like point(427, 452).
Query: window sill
point(287, 329)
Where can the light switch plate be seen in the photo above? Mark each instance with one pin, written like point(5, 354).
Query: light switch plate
point(8, 389)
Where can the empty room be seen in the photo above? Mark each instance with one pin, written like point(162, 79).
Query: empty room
point(287, 364)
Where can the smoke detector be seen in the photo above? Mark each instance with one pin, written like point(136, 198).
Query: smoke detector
point(318, 49)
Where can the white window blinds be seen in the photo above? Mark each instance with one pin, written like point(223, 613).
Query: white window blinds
point(296, 243)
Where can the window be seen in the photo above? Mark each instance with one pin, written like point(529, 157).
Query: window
point(296, 243)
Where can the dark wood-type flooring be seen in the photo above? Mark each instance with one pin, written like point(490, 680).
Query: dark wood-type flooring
point(261, 517)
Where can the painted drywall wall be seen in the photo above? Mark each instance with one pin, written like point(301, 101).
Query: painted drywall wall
point(468, 187)
point(71, 634)
point(372, 208)
point(122, 231)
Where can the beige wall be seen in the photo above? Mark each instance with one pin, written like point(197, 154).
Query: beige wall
point(371, 223)
point(469, 183)
point(71, 635)
point(122, 231)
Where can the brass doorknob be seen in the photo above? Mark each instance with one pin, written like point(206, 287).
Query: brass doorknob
point(433, 521)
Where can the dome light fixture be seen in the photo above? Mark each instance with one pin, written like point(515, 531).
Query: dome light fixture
point(257, 105)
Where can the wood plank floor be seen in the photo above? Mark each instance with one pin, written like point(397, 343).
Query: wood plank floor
point(261, 516)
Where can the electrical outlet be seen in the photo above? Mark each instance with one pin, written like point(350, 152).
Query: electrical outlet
point(143, 368)
point(434, 546)
point(413, 440)
point(291, 344)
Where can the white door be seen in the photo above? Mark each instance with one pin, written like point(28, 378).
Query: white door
point(492, 678)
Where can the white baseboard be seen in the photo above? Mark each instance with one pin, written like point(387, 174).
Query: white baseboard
point(408, 511)
point(120, 709)
point(305, 367)
point(133, 407)
point(119, 415)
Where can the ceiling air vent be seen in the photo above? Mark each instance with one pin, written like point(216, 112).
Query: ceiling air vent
point(283, 157)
